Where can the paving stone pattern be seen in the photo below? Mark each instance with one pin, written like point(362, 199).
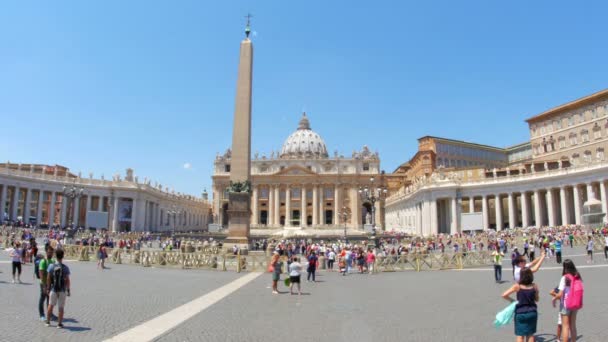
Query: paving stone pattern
point(405, 306)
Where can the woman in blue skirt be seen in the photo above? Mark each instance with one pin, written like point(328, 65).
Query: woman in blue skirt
point(526, 315)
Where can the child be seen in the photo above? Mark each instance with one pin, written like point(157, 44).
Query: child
point(554, 293)
point(342, 265)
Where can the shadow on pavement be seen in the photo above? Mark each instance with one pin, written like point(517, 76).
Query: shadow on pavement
point(76, 329)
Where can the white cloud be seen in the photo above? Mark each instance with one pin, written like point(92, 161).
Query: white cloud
point(187, 166)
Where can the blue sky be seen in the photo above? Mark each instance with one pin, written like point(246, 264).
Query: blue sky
point(99, 86)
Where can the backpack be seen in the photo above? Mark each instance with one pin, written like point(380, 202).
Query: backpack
point(57, 279)
point(573, 299)
point(37, 267)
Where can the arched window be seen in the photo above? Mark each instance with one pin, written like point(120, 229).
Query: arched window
point(575, 159)
point(573, 139)
point(584, 135)
point(599, 154)
point(597, 131)
point(587, 156)
point(561, 142)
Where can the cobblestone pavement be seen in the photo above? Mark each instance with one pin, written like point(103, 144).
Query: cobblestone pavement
point(407, 306)
point(103, 303)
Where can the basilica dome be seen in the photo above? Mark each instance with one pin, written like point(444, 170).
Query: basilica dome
point(304, 143)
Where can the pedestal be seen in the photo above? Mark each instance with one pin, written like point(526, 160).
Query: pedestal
point(238, 220)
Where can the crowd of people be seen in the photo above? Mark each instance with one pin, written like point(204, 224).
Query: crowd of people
point(529, 249)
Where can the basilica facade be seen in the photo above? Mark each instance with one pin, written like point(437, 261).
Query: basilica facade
point(303, 186)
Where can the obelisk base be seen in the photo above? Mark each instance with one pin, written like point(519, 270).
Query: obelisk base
point(238, 221)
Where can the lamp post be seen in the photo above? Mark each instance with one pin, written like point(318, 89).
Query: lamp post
point(73, 193)
point(174, 212)
point(372, 194)
point(344, 214)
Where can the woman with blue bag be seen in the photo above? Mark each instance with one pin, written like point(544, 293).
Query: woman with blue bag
point(526, 315)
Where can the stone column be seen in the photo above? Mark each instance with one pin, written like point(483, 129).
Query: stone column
point(100, 203)
point(76, 215)
point(563, 205)
point(577, 204)
point(270, 205)
point(15, 206)
point(525, 215)
point(471, 204)
point(114, 211)
point(52, 208)
point(498, 207)
point(254, 206)
point(484, 210)
point(354, 207)
point(288, 207)
point(277, 205)
point(590, 193)
point(454, 217)
point(337, 205)
point(537, 213)
point(321, 205)
point(550, 211)
point(433, 215)
point(39, 209)
point(135, 218)
point(3, 202)
point(303, 214)
point(86, 219)
point(603, 198)
point(315, 205)
point(64, 211)
point(26, 205)
point(511, 203)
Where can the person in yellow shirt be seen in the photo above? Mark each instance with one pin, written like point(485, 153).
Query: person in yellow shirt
point(497, 259)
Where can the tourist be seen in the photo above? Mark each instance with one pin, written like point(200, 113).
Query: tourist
point(312, 266)
point(102, 254)
point(360, 260)
point(331, 258)
point(534, 266)
point(295, 269)
point(590, 249)
point(371, 259)
point(558, 250)
point(342, 264)
point(349, 259)
point(567, 285)
point(558, 334)
point(606, 246)
point(526, 315)
point(58, 287)
point(497, 256)
point(275, 268)
point(16, 254)
point(42, 275)
point(514, 257)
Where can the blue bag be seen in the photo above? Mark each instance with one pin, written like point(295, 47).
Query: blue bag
point(505, 316)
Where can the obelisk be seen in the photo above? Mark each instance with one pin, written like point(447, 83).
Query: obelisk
point(239, 197)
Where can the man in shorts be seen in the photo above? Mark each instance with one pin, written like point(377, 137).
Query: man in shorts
point(58, 288)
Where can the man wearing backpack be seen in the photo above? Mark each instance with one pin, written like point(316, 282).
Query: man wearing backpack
point(58, 288)
point(41, 273)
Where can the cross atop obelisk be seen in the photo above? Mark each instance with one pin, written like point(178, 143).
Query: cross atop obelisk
point(248, 27)
point(239, 199)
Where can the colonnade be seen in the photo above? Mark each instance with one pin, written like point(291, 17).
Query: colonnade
point(452, 211)
point(306, 205)
point(44, 204)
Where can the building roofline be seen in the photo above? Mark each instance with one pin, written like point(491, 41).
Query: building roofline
point(464, 142)
point(518, 145)
point(569, 105)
